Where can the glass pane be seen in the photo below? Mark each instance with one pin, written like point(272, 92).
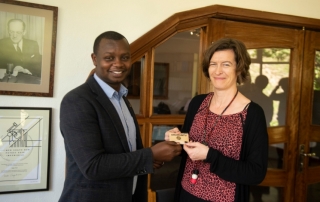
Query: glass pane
point(313, 192)
point(175, 72)
point(275, 158)
point(262, 193)
point(268, 82)
point(166, 176)
point(133, 82)
point(276, 55)
point(158, 133)
point(314, 148)
point(316, 91)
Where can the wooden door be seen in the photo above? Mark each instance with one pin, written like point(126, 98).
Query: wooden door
point(284, 128)
point(308, 175)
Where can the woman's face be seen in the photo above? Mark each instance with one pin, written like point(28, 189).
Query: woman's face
point(222, 70)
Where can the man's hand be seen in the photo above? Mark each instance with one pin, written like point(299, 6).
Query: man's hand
point(157, 164)
point(165, 151)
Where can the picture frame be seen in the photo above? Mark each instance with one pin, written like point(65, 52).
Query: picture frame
point(160, 83)
point(30, 72)
point(25, 134)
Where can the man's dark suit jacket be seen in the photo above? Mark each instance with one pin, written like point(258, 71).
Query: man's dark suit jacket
point(30, 57)
point(100, 166)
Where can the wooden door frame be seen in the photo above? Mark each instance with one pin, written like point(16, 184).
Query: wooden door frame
point(308, 132)
point(199, 18)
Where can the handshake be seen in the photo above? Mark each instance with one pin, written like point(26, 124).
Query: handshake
point(175, 142)
point(164, 151)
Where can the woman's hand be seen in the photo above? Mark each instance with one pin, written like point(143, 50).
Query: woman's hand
point(174, 130)
point(196, 150)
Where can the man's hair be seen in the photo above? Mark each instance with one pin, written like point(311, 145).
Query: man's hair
point(17, 20)
point(106, 35)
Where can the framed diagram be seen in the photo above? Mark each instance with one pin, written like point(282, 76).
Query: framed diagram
point(27, 48)
point(24, 149)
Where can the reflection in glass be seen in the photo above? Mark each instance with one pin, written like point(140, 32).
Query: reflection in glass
point(158, 133)
point(262, 193)
point(314, 147)
point(133, 83)
point(166, 176)
point(181, 53)
point(275, 156)
point(316, 91)
point(268, 83)
point(276, 55)
point(313, 192)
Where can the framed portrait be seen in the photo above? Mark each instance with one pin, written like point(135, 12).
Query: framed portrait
point(28, 34)
point(160, 83)
point(24, 149)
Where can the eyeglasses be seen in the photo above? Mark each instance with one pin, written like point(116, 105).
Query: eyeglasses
point(17, 33)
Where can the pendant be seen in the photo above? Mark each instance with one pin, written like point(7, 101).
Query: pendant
point(194, 176)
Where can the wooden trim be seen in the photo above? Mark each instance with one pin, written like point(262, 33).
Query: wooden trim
point(275, 177)
point(162, 119)
point(313, 175)
point(199, 17)
point(277, 134)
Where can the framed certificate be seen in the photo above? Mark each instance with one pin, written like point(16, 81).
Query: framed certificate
point(24, 149)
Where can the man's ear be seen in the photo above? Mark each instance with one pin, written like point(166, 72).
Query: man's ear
point(94, 59)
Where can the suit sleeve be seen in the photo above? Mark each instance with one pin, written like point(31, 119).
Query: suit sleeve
point(92, 143)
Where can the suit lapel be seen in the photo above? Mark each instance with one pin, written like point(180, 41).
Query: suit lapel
point(110, 110)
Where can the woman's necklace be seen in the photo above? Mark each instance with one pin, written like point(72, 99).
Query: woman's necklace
point(205, 136)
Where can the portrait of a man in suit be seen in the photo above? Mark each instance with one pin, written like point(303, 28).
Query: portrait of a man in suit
point(21, 52)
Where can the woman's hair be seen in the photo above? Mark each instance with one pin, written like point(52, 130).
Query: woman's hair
point(242, 57)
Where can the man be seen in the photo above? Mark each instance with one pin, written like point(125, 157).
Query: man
point(106, 160)
point(22, 53)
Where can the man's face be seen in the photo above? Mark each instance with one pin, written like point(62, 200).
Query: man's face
point(112, 61)
point(16, 31)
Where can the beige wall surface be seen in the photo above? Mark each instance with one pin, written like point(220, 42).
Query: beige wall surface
point(79, 22)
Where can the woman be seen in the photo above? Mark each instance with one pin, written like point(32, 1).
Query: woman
point(228, 146)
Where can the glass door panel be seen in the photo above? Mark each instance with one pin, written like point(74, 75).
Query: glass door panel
point(176, 63)
point(313, 192)
point(133, 83)
point(314, 159)
point(268, 83)
point(316, 91)
point(264, 193)
point(268, 86)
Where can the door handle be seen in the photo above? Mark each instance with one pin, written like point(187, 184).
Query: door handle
point(302, 155)
point(309, 154)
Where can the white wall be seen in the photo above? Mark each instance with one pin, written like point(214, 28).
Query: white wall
point(79, 22)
